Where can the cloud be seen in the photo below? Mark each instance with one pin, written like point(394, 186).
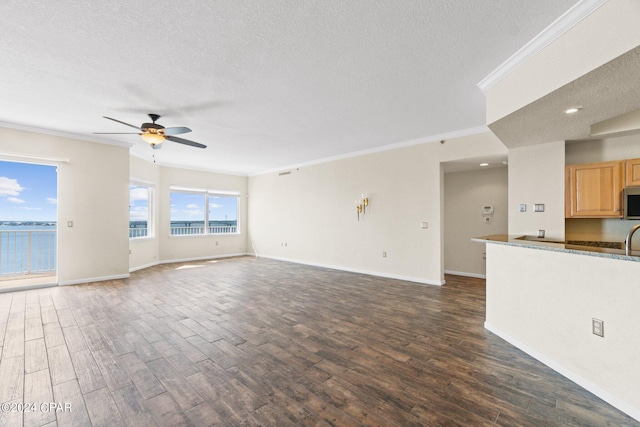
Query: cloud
point(52, 200)
point(138, 193)
point(9, 187)
point(15, 200)
point(139, 213)
point(215, 206)
point(192, 206)
point(29, 209)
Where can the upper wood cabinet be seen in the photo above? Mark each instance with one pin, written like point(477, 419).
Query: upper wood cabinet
point(594, 190)
point(631, 172)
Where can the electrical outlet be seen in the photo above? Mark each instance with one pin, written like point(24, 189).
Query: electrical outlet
point(523, 207)
point(597, 327)
point(384, 254)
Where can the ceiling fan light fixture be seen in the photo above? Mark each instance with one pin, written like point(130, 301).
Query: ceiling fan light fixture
point(153, 138)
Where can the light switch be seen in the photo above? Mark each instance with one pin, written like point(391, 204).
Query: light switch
point(424, 224)
point(69, 223)
point(538, 207)
point(523, 207)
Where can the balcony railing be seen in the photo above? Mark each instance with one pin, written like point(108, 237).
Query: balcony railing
point(137, 232)
point(27, 252)
point(213, 229)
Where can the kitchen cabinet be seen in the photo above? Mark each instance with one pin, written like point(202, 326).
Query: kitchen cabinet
point(632, 172)
point(594, 190)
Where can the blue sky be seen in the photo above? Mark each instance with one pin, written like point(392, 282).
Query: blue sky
point(186, 206)
point(138, 203)
point(27, 192)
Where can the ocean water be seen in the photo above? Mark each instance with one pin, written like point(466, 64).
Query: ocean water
point(27, 249)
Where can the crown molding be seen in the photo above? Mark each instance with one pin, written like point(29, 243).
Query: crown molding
point(388, 147)
point(557, 28)
point(68, 135)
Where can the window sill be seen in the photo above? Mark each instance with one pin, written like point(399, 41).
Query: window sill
point(182, 236)
point(137, 239)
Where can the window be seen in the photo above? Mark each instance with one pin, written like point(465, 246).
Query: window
point(140, 212)
point(203, 212)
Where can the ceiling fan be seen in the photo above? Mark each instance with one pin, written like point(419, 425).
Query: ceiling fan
point(154, 133)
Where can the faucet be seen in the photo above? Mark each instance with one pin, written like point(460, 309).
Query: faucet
point(627, 246)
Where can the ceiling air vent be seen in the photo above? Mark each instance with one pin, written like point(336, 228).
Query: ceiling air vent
point(285, 173)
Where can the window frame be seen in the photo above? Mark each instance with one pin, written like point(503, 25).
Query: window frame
point(208, 194)
point(150, 186)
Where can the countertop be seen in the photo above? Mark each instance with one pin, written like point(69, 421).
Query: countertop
point(551, 245)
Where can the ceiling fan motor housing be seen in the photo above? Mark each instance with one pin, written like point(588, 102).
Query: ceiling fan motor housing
point(148, 126)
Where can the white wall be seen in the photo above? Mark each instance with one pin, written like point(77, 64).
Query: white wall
point(603, 150)
point(93, 193)
point(163, 247)
point(312, 210)
point(546, 311)
point(536, 175)
point(465, 193)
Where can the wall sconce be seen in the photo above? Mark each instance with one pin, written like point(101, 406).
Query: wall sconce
point(361, 205)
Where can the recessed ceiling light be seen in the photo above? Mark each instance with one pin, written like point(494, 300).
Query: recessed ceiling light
point(572, 110)
point(484, 164)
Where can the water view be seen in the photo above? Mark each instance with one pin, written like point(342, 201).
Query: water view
point(27, 247)
point(28, 208)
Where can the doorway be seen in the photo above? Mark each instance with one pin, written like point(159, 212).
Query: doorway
point(28, 225)
point(475, 204)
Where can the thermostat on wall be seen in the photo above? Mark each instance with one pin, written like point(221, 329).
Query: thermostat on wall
point(487, 210)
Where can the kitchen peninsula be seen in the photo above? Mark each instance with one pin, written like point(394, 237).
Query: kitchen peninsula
point(542, 297)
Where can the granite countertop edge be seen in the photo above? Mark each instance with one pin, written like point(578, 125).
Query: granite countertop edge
point(548, 245)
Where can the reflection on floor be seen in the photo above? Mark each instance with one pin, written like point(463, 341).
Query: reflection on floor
point(258, 342)
point(31, 281)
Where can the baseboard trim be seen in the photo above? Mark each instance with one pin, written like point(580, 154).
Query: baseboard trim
point(462, 273)
point(581, 381)
point(203, 258)
point(359, 271)
point(94, 279)
point(142, 267)
point(28, 287)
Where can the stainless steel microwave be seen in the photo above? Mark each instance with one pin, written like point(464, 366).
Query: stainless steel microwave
point(631, 202)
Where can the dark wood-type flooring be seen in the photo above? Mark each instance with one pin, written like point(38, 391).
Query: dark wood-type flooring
point(249, 341)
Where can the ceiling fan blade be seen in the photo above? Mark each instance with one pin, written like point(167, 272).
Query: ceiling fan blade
point(176, 130)
point(121, 122)
point(185, 141)
point(117, 133)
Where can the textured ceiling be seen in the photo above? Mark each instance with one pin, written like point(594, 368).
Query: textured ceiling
point(608, 91)
point(265, 84)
